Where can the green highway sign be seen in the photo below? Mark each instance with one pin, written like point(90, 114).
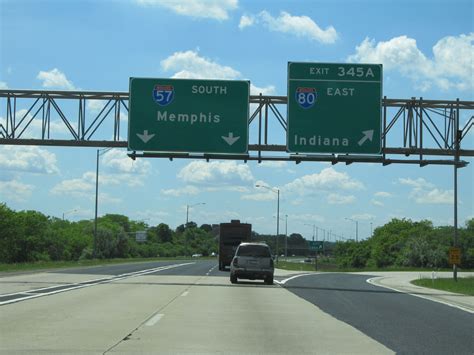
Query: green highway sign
point(182, 115)
point(316, 245)
point(334, 108)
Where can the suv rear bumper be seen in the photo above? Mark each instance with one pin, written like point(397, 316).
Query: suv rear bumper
point(252, 274)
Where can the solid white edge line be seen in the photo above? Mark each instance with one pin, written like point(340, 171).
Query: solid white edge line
point(81, 285)
point(153, 320)
point(282, 282)
point(372, 282)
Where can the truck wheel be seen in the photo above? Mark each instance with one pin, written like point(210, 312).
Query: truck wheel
point(233, 279)
point(220, 266)
point(269, 280)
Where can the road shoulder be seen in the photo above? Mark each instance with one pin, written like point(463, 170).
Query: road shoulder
point(401, 282)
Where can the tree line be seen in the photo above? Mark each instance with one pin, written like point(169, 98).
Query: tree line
point(405, 243)
point(30, 236)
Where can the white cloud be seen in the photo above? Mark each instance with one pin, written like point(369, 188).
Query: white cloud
point(3, 85)
point(240, 189)
point(337, 199)
point(15, 191)
point(55, 79)
point(152, 217)
point(119, 174)
point(451, 66)
point(307, 217)
point(214, 9)
point(267, 90)
point(82, 187)
point(419, 183)
point(300, 26)
point(383, 194)
point(260, 193)
point(363, 217)
point(216, 172)
point(95, 106)
point(328, 179)
point(34, 130)
point(189, 65)
point(27, 159)
point(424, 192)
point(246, 21)
point(273, 164)
point(117, 161)
point(435, 196)
point(188, 190)
point(105, 198)
point(377, 203)
point(260, 196)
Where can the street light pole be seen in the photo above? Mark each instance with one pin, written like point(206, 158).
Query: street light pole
point(357, 227)
point(187, 210)
point(187, 221)
point(96, 203)
point(278, 221)
point(65, 213)
point(278, 213)
point(99, 151)
point(286, 236)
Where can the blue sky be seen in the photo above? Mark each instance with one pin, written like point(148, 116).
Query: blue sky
point(426, 48)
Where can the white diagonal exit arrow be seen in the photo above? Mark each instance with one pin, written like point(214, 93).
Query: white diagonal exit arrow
point(230, 139)
point(145, 137)
point(367, 135)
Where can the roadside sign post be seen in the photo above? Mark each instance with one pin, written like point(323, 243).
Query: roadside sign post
point(454, 256)
point(183, 115)
point(334, 108)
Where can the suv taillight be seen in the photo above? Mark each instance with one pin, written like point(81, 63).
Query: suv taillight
point(235, 262)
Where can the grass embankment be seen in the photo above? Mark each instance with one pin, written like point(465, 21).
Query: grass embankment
point(464, 285)
point(46, 265)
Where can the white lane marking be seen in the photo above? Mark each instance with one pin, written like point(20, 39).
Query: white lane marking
point(210, 270)
point(82, 284)
point(153, 320)
point(184, 294)
point(372, 282)
point(282, 282)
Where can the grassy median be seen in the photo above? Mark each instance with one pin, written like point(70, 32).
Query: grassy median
point(464, 285)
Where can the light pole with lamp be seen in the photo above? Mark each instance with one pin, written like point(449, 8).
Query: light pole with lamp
point(286, 237)
point(187, 210)
point(357, 227)
point(99, 153)
point(67, 212)
point(187, 221)
point(278, 213)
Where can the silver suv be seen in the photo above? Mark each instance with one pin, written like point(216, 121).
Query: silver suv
point(252, 261)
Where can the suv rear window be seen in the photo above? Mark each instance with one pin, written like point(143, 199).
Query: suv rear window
point(254, 250)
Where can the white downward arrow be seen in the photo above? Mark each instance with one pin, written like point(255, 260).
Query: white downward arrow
point(367, 135)
point(145, 137)
point(230, 139)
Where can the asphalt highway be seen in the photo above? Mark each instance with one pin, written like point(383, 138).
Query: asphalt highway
point(191, 307)
point(404, 323)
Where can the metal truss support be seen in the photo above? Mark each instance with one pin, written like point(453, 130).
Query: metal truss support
point(425, 129)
